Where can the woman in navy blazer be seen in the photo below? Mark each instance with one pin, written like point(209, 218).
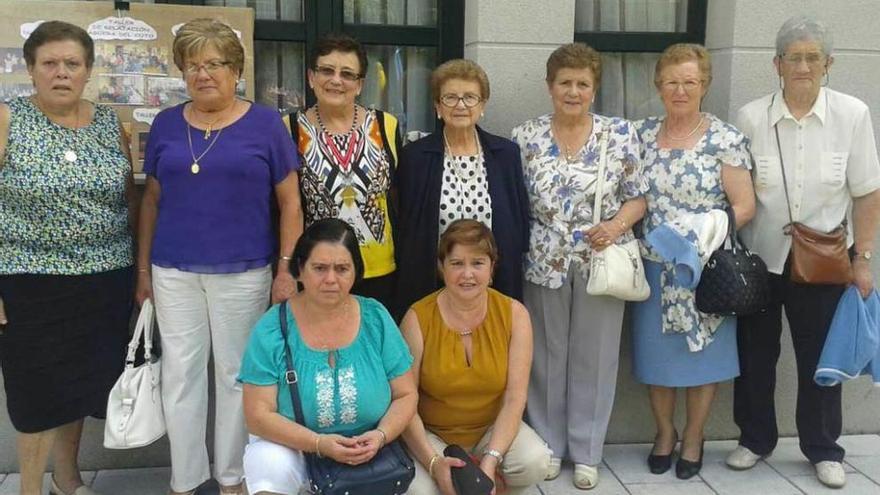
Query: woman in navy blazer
point(459, 172)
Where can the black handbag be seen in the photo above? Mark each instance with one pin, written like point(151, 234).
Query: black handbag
point(734, 282)
point(389, 472)
point(468, 479)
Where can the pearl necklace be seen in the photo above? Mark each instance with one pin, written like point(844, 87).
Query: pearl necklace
point(694, 130)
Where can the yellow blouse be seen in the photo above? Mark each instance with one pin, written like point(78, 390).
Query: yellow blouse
point(458, 402)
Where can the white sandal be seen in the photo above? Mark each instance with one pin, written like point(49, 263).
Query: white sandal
point(585, 477)
point(80, 490)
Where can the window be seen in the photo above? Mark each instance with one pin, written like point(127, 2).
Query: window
point(405, 40)
point(630, 34)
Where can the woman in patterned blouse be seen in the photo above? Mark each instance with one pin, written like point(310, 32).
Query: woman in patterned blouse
point(348, 155)
point(577, 336)
point(65, 256)
point(694, 163)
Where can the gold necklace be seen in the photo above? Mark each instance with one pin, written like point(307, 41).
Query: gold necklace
point(209, 124)
point(566, 152)
point(195, 168)
point(670, 136)
point(463, 331)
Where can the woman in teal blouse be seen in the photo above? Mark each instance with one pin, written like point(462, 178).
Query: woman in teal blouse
point(353, 366)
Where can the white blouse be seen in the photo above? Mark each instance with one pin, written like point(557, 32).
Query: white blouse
point(464, 191)
point(830, 157)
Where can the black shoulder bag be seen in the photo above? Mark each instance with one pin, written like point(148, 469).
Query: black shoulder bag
point(734, 282)
point(389, 472)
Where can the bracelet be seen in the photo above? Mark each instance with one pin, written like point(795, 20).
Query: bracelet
point(143, 270)
point(285, 258)
point(434, 459)
point(318, 445)
point(384, 437)
point(494, 453)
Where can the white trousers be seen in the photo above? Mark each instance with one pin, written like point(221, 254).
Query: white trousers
point(201, 315)
point(273, 468)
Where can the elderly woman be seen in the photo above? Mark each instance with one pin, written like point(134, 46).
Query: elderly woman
point(824, 141)
point(460, 172)
point(65, 256)
point(472, 350)
point(207, 243)
point(349, 153)
point(355, 384)
point(694, 164)
point(577, 336)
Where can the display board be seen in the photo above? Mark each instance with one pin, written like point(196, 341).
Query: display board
point(134, 70)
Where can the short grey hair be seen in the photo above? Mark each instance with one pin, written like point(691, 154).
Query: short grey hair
point(802, 28)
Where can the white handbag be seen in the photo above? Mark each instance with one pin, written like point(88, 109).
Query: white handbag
point(617, 270)
point(134, 409)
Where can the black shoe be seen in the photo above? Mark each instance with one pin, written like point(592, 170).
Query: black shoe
point(659, 464)
point(685, 469)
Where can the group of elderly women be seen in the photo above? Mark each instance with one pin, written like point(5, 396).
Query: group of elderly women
point(506, 331)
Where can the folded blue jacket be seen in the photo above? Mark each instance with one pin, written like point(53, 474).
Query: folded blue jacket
point(852, 347)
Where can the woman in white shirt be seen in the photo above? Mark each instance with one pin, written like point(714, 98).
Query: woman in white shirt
point(827, 149)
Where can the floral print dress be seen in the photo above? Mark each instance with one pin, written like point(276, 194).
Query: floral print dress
point(686, 181)
point(561, 193)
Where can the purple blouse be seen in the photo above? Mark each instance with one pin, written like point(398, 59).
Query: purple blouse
point(218, 220)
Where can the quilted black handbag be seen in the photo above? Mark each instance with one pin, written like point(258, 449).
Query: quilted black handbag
point(389, 472)
point(734, 282)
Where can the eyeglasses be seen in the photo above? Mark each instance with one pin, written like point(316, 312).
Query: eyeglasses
point(210, 67)
point(689, 86)
point(470, 100)
point(813, 58)
point(328, 72)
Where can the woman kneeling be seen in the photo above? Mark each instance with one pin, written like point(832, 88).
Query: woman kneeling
point(472, 350)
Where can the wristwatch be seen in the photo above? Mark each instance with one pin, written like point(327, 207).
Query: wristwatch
point(865, 255)
point(494, 453)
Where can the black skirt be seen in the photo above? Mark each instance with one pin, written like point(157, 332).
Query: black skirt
point(64, 345)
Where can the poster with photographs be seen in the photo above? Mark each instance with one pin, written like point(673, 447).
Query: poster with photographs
point(9, 91)
point(165, 91)
point(12, 61)
point(120, 89)
point(131, 58)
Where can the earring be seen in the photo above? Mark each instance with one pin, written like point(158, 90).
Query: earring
point(482, 114)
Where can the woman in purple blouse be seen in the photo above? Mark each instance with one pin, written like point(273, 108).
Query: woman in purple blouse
point(214, 167)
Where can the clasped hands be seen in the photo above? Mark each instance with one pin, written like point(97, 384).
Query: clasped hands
point(605, 234)
point(350, 450)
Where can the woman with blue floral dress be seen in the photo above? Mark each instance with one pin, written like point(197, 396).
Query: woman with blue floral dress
point(576, 336)
point(695, 164)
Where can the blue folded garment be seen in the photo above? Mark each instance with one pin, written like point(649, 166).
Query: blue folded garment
point(852, 347)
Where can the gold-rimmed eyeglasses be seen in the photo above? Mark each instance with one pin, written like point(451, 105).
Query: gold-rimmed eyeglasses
point(210, 67)
point(328, 72)
point(690, 85)
point(470, 100)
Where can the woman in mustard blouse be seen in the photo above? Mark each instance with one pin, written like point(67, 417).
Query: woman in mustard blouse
point(472, 351)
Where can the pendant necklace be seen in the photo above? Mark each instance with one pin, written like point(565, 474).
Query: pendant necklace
point(209, 124)
point(686, 136)
point(195, 168)
point(566, 152)
point(462, 180)
point(69, 154)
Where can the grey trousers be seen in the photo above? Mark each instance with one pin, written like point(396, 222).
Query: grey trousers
point(574, 368)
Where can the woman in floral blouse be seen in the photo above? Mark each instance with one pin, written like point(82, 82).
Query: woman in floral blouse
point(577, 336)
point(694, 163)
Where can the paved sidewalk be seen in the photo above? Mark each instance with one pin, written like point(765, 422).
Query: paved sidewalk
point(624, 472)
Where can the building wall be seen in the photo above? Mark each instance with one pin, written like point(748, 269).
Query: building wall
point(511, 39)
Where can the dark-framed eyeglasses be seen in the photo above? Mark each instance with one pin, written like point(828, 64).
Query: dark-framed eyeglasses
point(328, 72)
point(210, 67)
point(470, 100)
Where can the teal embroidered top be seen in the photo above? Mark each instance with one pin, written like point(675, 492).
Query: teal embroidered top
point(347, 399)
point(61, 217)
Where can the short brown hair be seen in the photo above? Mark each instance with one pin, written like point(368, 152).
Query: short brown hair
point(51, 31)
point(467, 232)
point(680, 53)
point(195, 35)
point(459, 68)
point(575, 56)
point(342, 43)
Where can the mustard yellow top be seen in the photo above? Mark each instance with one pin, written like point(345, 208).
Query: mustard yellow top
point(458, 402)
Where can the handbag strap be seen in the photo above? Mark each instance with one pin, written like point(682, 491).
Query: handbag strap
point(600, 180)
point(782, 166)
point(143, 328)
point(290, 375)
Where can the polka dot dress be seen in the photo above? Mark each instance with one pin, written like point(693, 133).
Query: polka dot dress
point(464, 192)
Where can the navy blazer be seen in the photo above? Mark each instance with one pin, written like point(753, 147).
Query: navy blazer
point(418, 183)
